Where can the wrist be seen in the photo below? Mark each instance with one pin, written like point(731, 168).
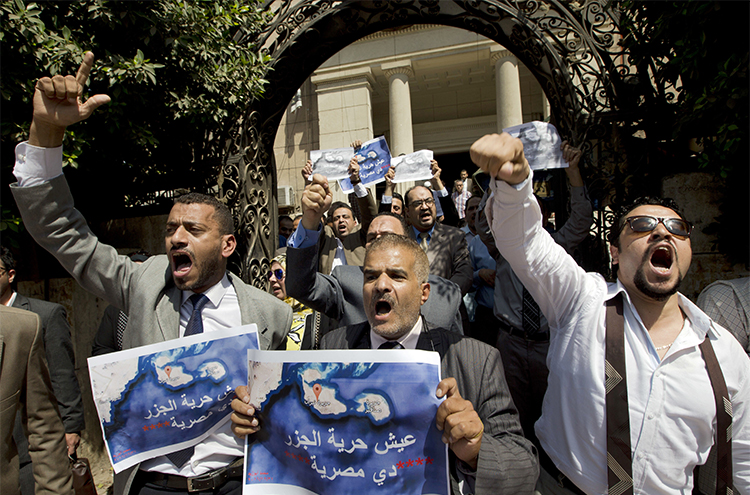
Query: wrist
point(45, 135)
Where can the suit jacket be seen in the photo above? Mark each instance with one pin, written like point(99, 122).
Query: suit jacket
point(58, 348)
point(339, 295)
point(449, 255)
point(354, 243)
point(25, 385)
point(507, 461)
point(148, 288)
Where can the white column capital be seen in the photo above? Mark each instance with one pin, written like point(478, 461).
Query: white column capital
point(498, 53)
point(391, 69)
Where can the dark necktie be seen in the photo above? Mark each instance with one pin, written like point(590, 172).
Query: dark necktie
point(390, 344)
point(531, 313)
point(194, 326)
point(195, 323)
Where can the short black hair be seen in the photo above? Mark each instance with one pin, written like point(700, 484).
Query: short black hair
point(406, 204)
point(284, 217)
point(340, 204)
point(221, 213)
point(9, 262)
point(399, 197)
point(618, 222)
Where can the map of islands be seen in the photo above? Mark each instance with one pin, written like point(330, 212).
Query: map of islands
point(318, 390)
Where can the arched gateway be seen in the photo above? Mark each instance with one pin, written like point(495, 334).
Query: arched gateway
point(570, 47)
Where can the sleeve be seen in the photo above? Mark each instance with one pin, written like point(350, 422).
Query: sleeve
point(720, 302)
point(306, 284)
point(507, 461)
point(47, 446)
point(463, 274)
point(369, 210)
point(549, 273)
point(577, 227)
point(105, 340)
point(302, 238)
point(54, 223)
point(35, 165)
point(61, 358)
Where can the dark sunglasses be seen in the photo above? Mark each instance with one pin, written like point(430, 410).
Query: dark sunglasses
point(645, 223)
point(278, 273)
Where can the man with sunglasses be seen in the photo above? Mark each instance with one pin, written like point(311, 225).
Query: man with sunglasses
point(671, 414)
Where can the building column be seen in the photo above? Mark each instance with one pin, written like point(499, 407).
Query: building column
point(399, 112)
point(508, 88)
point(344, 110)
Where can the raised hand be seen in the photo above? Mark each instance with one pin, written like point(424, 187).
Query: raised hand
point(316, 199)
point(461, 426)
point(501, 157)
point(353, 170)
point(57, 104)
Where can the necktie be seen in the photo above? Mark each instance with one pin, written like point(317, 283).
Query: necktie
point(391, 344)
point(194, 326)
point(530, 313)
point(195, 323)
point(423, 240)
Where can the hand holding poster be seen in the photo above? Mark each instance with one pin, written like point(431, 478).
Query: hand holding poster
point(412, 167)
point(541, 144)
point(333, 163)
point(354, 421)
point(160, 398)
point(374, 160)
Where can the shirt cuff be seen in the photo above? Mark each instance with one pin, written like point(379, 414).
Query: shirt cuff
point(360, 190)
point(35, 165)
point(303, 238)
point(442, 193)
point(386, 200)
point(467, 477)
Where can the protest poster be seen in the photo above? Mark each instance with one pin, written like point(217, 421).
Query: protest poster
point(412, 167)
point(333, 163)
point(541, 144)
point(374, 160)
point(160, 398)
point(345, 421)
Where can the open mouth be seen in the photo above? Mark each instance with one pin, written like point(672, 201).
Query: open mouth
point(182, 263)
point(661, 258)
point(382, 308)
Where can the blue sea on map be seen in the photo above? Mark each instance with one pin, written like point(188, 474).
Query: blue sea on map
point(373, 423)
point(177, 395)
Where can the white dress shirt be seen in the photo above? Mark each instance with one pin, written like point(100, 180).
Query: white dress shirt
point(671, 401)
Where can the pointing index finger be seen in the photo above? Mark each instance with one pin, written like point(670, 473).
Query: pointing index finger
point(83, 71)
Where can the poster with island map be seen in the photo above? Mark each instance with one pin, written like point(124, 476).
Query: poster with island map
point(345, 421)
point(160, 398)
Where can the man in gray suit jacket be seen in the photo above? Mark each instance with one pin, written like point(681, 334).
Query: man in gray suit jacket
point(25, 386)
point(58, 349)
point(487, 451)
point(163, 296)
point(339, 296)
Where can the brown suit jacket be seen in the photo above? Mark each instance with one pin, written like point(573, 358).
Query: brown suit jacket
point(25, 384)
point(354, 243)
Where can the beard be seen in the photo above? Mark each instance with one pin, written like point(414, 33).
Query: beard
point(646, 289)
point(207, 270)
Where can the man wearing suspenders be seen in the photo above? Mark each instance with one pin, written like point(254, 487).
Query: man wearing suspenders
point(642, 383)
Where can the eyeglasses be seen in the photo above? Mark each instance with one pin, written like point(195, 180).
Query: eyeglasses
point(278, 273)
point(417, 203)
point(645, 223)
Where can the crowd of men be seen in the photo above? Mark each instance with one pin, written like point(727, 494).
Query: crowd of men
point(554, 380)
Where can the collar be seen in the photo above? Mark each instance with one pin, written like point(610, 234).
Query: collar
point(214, 294)
point(700, 323)
point(12, 298)
point(409, 341)
point(429, 232)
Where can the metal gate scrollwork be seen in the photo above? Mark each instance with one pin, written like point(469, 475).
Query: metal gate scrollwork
point(570, 47)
